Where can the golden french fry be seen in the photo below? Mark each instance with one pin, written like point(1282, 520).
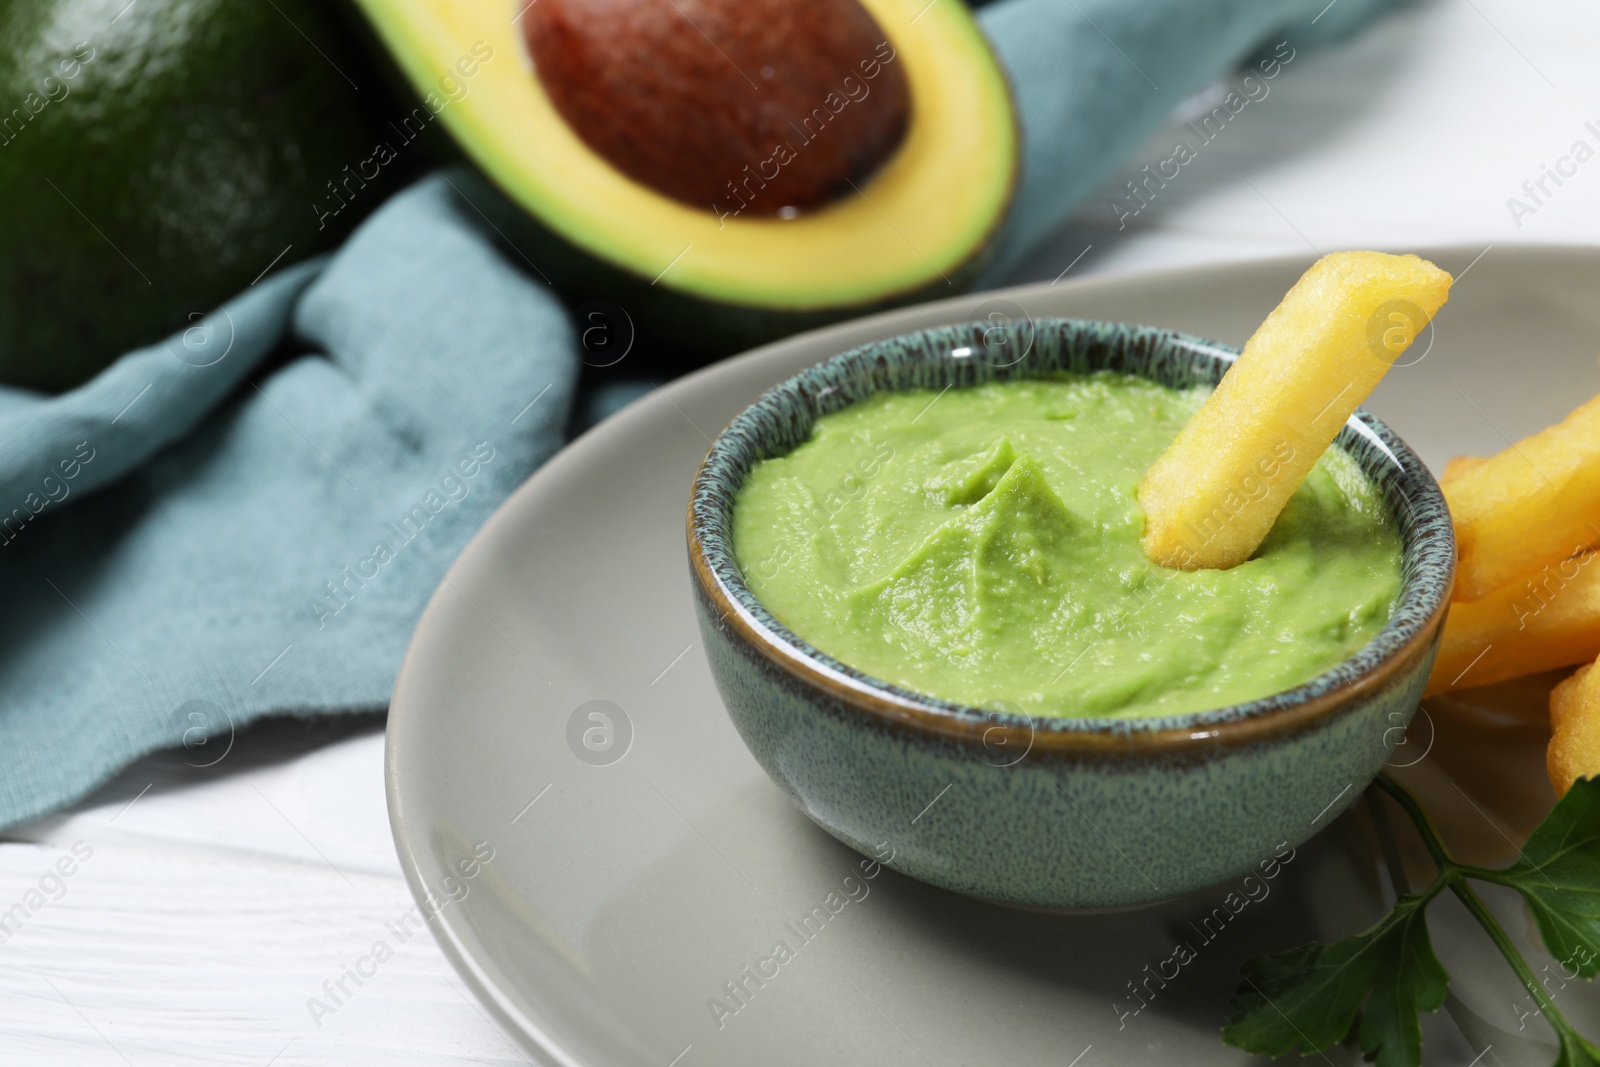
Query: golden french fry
point(1547, 620)
point(1459, 465)
point(1211, 498)
point(1536, 503)
point(1574, 750)
point(1562, 696)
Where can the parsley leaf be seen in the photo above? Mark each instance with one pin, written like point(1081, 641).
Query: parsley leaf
point(1576, 1052)
point(1309, 997)
point(1559, 876)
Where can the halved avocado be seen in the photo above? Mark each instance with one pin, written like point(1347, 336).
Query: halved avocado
point(702, 276)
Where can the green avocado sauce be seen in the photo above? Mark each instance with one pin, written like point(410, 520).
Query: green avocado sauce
point(982, 546)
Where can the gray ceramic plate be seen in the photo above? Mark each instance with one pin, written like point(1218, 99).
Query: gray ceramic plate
point(606, 864)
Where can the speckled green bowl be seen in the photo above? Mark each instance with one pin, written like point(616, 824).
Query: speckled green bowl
point(1048, 812)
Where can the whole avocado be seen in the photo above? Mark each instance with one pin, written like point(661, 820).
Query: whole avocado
point(158, 156)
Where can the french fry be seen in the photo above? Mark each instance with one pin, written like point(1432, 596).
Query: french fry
point(1562, 697)
point(1460, 465)
point(1574, 750)
point(1547, 620)
point(1212, 497)
point(1534, 504)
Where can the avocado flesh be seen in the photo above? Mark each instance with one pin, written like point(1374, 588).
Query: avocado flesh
point(698, 284)
point(156, 158)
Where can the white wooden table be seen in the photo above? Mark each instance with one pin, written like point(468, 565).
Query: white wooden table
point(217, 901)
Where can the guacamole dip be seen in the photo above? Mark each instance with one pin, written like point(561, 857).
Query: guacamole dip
point(982, 545)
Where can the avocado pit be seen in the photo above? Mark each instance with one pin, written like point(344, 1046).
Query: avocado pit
point(738, 107)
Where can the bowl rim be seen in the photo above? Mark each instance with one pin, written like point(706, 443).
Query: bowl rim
point(1405, 637)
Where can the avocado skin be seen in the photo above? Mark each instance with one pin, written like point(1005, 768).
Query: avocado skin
point(190, 148)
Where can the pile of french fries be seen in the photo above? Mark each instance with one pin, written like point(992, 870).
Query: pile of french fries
point(1527, 596)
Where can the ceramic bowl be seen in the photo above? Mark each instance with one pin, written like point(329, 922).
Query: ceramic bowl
point(1054, 812)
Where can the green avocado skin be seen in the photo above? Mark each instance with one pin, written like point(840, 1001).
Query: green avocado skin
point(156, 157)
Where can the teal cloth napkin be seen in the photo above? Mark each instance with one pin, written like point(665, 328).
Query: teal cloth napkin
point(249, 517)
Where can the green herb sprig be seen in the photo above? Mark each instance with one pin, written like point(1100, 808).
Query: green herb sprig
point(1309, 998)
